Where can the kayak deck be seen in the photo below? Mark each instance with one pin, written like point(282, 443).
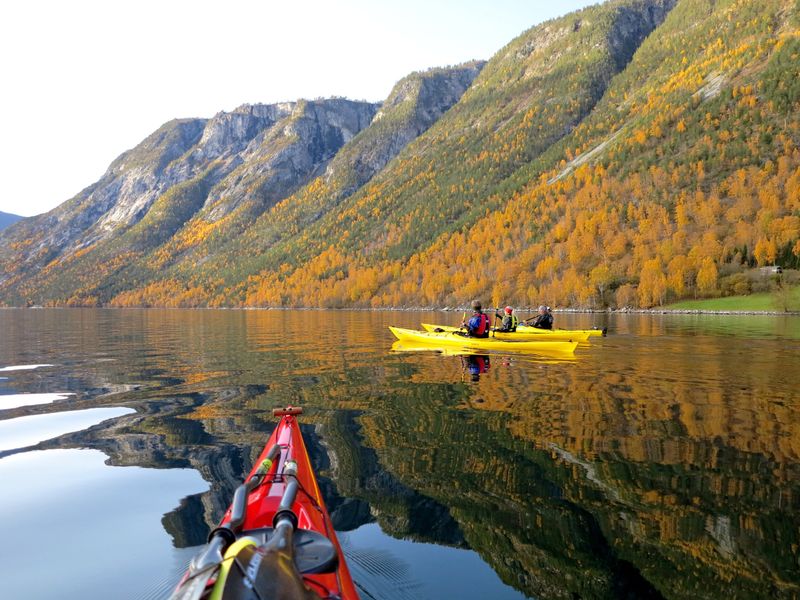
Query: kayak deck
point(452, 339)
point(279, 506)
point(520, 335)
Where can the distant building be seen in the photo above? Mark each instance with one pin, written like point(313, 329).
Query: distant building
point(773, 270)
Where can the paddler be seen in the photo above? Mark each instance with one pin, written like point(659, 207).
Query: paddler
point(543, 320)
point(510, 320)
point(478, 324)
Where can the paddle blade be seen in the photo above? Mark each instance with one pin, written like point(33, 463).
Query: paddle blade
point(289, 410)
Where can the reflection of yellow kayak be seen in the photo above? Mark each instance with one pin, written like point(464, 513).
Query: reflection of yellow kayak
point(588, 332)
point(452, 339)
point(539, 357)
point(408, 346)
point(526, 335)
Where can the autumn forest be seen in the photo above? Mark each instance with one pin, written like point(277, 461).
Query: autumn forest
point(628, 155)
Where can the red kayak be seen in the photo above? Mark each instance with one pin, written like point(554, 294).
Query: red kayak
point(276, 540)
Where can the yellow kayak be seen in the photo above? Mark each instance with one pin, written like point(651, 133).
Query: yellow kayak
point(526, 335)
point(451, 339)
point(588, 332)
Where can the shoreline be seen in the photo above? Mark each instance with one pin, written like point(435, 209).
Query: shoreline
point(606, 311)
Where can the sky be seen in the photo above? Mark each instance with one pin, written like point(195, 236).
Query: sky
point(85, 80)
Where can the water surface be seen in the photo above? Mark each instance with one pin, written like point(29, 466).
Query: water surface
point(661, 461)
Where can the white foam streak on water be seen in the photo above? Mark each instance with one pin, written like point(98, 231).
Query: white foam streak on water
point(23, 367)
point(10, 401)
point(27, 431)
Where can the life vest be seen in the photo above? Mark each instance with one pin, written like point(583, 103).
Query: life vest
point(478, 325)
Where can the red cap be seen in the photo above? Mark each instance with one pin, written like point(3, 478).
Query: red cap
point(509, 309)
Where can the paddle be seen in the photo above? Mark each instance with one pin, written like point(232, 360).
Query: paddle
point(463, 324)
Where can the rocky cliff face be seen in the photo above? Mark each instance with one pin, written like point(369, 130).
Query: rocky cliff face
point(256, 153)
point(282, 158)
point(414, 104)
point(632, 24)
point(225, 171)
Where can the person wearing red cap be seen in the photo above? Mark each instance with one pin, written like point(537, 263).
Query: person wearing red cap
point(510, 320)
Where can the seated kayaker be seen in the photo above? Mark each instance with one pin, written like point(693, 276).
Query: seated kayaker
point(510, 320)
point(478, 323)
point(544, 320)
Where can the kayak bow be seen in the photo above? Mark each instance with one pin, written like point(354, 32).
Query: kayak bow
point(453, 339)
point(276, 540)
point(521, 328)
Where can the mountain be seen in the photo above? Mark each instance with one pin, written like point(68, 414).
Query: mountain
point(7, 219)
point(625, 154)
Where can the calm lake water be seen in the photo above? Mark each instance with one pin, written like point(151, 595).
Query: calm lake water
point(661, 461)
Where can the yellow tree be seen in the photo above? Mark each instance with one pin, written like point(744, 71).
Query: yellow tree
point(707, 276)
point(499, 293)
point(600, 277)
point(765, 251)
point(652, 283)
point(679, 270)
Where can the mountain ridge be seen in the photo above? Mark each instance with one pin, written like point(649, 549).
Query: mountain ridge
point(7, 219)
point(593, 161)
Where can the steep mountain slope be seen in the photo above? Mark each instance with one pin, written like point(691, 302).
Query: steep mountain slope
point(116, 198)
point(242, 161)
point(415, 103)
point(683, 175)
point(533, 93)
point(528, 97)
point(164, 199)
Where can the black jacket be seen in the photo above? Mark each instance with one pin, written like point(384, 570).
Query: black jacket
point(544, 321)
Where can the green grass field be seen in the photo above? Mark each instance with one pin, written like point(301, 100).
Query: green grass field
point(766, 301)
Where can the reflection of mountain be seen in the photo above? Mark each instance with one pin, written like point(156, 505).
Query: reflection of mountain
point(548, 522)
point(186, 524)
point(509, 508)
point(653, 463)
point(400, 510)
point(544, 519)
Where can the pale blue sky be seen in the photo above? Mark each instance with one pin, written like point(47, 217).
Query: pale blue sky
point(85, 80)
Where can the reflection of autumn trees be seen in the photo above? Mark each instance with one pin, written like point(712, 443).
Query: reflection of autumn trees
point(686, 466)
point(698, 490)
point(661, 457)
